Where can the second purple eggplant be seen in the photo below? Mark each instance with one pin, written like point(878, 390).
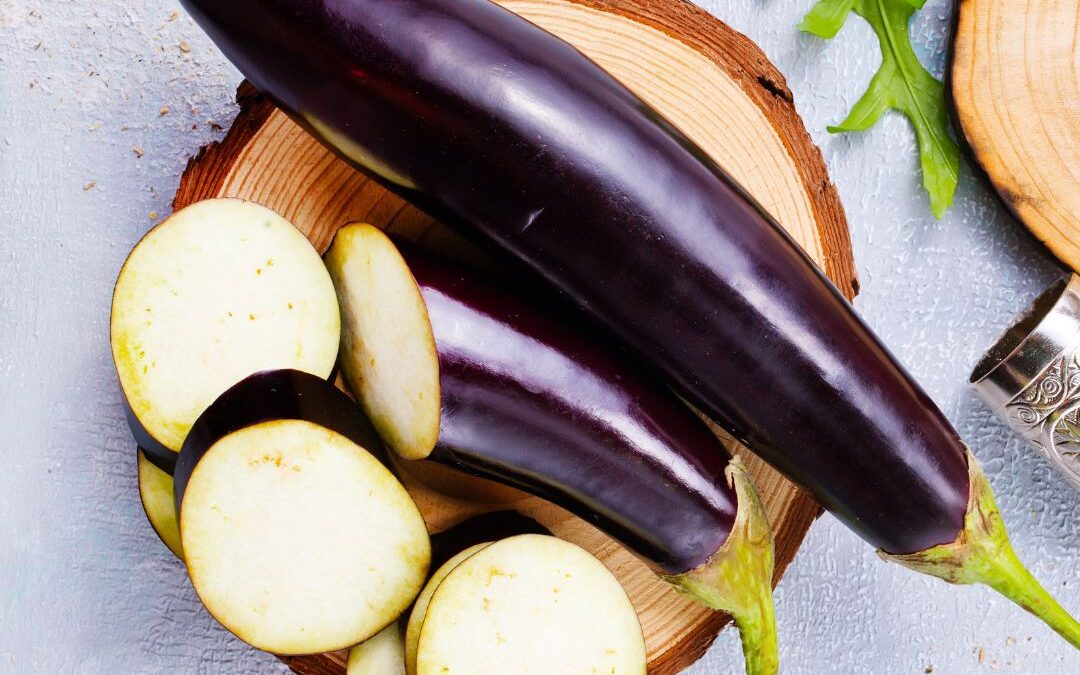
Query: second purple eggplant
point(529, 402)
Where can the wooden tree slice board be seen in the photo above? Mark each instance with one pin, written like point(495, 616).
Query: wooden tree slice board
point(1015, 83)
point(715, 85)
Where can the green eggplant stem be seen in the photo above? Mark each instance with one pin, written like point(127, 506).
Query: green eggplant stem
point(982, 554)
point(737, 579)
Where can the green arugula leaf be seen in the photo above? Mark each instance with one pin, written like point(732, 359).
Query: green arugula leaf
point(826, 18)
point(902, 84)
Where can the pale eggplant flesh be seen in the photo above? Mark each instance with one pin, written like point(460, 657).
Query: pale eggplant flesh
point(529, 604)
point(218, 290)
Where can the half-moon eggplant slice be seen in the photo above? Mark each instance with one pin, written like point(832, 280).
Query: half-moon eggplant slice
point(385, 319)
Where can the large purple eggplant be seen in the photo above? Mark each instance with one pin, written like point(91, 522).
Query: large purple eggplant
point(530, 402)
point(507, 132)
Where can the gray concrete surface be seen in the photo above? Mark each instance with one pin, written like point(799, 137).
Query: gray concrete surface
point(102, 102)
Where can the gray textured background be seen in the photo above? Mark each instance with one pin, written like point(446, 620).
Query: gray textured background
point(85, 586)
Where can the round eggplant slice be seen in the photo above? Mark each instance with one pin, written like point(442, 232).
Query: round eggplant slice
point(419, 610)
point(383, 654)
point(388, 352)
point(530, 604)
point(219, 290)
point(297, 539)
point(159, 503)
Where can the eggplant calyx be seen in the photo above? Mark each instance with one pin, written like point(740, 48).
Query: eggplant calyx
point(737, 579)
point(982, 554)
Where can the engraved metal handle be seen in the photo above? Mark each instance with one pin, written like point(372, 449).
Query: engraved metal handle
point(1031, 377)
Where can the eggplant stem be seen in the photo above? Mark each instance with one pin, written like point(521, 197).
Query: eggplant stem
point(737, 579)
point(982, 554)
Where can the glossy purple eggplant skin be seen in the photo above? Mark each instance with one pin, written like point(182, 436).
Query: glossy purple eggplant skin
point(486, 527)
point(504, 131)
point(155, 451)
point(530, 402)
point(273, 395)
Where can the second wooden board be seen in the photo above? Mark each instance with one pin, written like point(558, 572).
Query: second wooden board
point(1015, 85)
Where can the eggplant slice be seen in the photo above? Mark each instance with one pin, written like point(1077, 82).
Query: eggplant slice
point(385, 321)
point(297, 539)
point(159, 503)
point(530, 604)
point(419, 610)
point(383, 654)
point(219, 290)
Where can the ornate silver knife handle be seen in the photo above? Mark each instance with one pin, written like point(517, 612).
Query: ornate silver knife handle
point(1031, 376)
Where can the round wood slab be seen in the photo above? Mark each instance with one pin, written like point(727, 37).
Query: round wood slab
point(715, 85)
point(1015, 81)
